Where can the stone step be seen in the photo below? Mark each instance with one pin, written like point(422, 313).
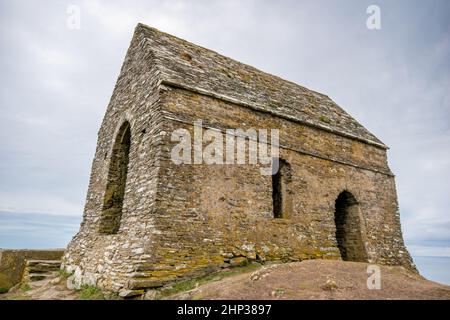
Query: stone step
point(37, 270)
point(39, 276)
point(42, 266)
point(49, 262)
point(144, 283)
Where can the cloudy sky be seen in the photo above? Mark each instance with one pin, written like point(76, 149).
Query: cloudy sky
point(55, 84)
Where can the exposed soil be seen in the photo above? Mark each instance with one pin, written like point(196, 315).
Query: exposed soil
point(319, 279)
point(52, 288)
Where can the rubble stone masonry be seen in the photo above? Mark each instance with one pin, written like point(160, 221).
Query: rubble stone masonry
point(149, 222)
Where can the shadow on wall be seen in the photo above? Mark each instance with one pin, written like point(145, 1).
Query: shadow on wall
point(350, 231)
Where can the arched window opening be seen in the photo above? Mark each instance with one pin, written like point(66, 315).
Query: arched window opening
point(117, 177)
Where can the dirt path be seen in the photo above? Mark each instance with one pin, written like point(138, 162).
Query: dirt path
point(319, 279)
point(52, 288)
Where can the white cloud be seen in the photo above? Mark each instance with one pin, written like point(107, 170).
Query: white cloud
point(56, 83)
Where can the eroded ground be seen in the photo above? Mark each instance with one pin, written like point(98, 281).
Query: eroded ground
point(312, 279)
point(319, 279)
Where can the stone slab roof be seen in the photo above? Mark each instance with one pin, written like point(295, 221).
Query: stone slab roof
point(186, 65)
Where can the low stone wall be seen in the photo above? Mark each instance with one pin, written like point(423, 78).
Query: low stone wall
point(12, 263)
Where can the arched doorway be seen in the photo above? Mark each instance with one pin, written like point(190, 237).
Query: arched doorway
point(350, 231)
point(117, 177)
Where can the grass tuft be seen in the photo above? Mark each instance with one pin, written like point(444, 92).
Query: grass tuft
point(88, 292)
point(25, 287)
point(63, 274)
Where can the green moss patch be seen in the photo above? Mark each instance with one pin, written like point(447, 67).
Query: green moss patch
point(90, 293)
point(190, 284)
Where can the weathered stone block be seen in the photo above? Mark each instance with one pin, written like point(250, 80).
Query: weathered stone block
point(238, 262)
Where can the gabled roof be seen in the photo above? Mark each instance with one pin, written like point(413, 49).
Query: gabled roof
point(192, 67)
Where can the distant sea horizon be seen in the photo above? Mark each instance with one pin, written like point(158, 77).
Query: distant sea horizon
point(39, 231)
point(435, 269)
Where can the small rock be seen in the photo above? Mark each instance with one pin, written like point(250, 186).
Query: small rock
point(255, 276)
point(151, 295)
point(238, 262)
point(251, 255)
point(130, 293)
point(260, 257)
point(70, 284)
point(248, 247)
point(277, 292)
point(330, 285)
point(138, 251)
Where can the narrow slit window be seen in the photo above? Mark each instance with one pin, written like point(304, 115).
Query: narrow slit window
point(281, 200)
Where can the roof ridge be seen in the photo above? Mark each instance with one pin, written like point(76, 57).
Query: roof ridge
point(192, 65)
point(153, 29)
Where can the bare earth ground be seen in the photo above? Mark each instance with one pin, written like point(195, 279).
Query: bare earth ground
point(319, 279)
point(312, 279)
point(48, 289)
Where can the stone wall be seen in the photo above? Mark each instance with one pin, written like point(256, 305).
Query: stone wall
point(210, 214)
point(13, 261)
point(181, 221)
point(106, 258)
